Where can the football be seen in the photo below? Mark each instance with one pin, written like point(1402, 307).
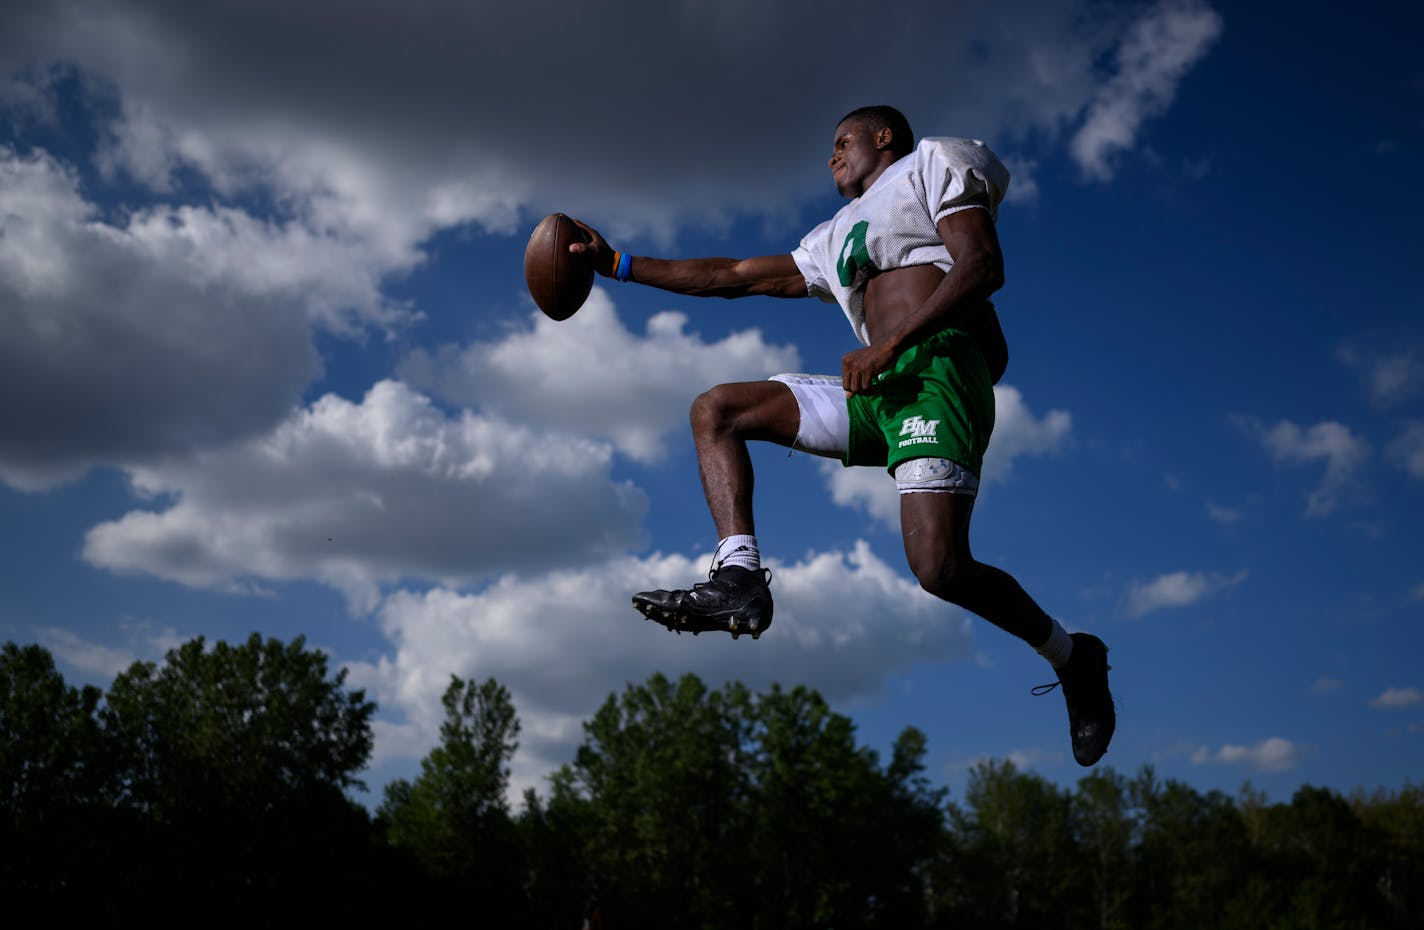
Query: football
point(559, 280)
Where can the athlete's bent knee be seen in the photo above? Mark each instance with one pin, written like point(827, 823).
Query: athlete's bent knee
point(948, 581)
point(711, 411)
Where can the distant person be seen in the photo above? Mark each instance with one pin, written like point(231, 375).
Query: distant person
point(912, 261)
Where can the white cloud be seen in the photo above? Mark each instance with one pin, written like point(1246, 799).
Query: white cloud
point(142, 643)
point(1157, 51)
point(295, 177)
point(1027, 759)
point(564, 375)
point(1017, 433)
point(844, 623)
point(171, 329)
point(93, 658)
point(1391, 364)
point(1024, 187)
point(355, 495)
point(456, 124)
point(869, 489)
point(1177, 589)
point(1223, 515)
point(1407, 449)
point(1325, 685)
point(1332, 443)
point(1269, 755)
point(1396, 698)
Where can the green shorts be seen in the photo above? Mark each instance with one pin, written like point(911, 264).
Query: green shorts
point(936, 402)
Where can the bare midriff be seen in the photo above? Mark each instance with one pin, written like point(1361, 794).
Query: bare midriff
point(892, 295)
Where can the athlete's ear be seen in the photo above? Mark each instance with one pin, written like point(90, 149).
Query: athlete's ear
point(883, 137)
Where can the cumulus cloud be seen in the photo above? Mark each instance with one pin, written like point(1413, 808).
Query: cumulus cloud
point(1341, 451)
point(260, 177)
point(1177, 589)
point(1017, 433)
point(1324, 685)
point(1396, 698)
point(561, 642)
point(170, 329)
point(266, 95)
point(357, 494)
point(563, 375)
point(1024, 188)
point(1156, 52)
point(1270, 755)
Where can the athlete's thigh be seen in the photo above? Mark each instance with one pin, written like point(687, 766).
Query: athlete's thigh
point(935, 527)
point(761, 410)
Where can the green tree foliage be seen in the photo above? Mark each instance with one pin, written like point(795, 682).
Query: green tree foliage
point(663, 780)
point(1011, 860)
point(235, 730)
point(1396, 820)
point(52, 781)
point(1193, 857)
point(232, 763)
point(1104, 825)
point(210, 789)
point(454, 819)
point(48, 734)
point(702, 808)
point(837, 839)
point(1326, 864)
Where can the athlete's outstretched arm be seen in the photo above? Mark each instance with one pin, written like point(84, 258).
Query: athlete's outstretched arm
point(768, 275)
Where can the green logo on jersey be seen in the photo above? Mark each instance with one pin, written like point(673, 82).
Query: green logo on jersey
point(854, 254)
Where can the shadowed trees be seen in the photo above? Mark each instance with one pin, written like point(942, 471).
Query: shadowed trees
point(231, 764)
point(453, 821)
point(702, 808)
point(216, 779)
point(211, 788)
point(54, 784)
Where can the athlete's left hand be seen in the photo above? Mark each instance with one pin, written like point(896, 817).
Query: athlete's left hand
point(859, 368)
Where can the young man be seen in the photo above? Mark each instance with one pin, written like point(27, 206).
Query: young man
point(912, 261)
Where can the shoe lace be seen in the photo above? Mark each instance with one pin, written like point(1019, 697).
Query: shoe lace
point(1041, 690)
point(716, 566)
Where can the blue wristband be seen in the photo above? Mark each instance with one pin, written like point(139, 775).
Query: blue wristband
point(625, 264)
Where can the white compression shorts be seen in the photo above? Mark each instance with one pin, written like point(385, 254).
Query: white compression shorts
point(825, 430)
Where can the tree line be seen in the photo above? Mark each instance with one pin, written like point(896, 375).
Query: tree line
point(214, 789)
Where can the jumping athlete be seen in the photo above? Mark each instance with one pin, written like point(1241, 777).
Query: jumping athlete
point(912, 261)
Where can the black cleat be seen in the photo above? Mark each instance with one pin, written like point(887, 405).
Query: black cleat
point(1091, 717)
point(733, 599)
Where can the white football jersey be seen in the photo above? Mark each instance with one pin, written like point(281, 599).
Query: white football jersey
point(892, 225)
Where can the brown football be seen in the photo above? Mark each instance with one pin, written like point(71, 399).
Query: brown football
point(559, 280)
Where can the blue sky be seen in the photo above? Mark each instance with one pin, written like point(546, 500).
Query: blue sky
point(269, 364)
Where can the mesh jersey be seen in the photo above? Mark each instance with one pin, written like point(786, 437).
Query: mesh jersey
point(892, 225)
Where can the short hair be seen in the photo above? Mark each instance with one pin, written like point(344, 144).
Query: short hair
point(902, 138)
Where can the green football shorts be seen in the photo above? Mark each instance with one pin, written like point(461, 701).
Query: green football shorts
point(936, 402)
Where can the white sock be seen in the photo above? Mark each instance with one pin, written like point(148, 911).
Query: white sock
point(741, 551)
point(1058, 647)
